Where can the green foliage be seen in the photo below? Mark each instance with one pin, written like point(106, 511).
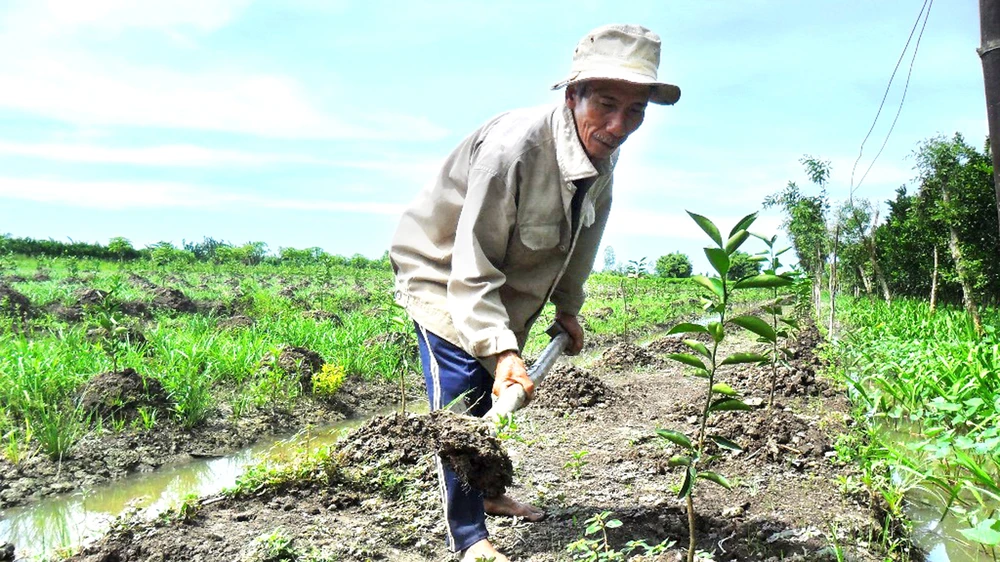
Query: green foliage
point(931, 373)
point(599, 550)
point(920, 222)
point(673, 265)
point(576, 463)
point(742, 264)
point(328, 380)
point(705, 360)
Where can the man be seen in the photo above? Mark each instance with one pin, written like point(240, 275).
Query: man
point(514, 220)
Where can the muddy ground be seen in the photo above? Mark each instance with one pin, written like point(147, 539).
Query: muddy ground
point(587, 445)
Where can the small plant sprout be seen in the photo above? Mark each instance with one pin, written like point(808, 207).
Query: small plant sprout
point(576, 463)
point(719, 396)
point(508, 428)
point(776, 354)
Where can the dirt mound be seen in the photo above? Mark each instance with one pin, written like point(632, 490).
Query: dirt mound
point(668, 344)
point(774, 435)
point(466, 444)
point(626, 356)
point(569, 387)
point(142, 282)
point(136, 309)
point(173, 299)
point(298, 361)
point(236, 322)
point(89, 297)
point(324, 315)
point(14, 304)
point(121, 394)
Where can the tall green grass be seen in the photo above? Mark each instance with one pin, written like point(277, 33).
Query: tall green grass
point(932, 376)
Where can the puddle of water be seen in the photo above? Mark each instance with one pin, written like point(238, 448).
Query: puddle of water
point(934, 531)
point(66, 521)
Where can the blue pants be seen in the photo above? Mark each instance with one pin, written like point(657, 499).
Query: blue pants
point(450, 372)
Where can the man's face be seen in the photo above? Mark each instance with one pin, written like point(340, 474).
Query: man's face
point(606, 113)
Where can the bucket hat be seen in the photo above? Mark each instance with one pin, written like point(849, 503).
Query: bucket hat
point(621, 52)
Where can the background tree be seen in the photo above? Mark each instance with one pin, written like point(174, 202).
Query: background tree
point(120, 247)
point(742, 264)
point(805, 221)
point(609, 259)
point(673, 265)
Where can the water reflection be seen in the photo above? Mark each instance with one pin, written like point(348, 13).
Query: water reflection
point(68, 520)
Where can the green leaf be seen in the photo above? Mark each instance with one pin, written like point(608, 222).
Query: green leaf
point(717, 331)
point(787, 352)
point(771, 309)
point(699, 347)
point(613, 524)
point(708, 226)
point(763, 281)
point(687, 328)
point(728, 405)
point(679, 460)
point(779, 252)
point(719, 260)
point(725, 443)
point(757, 326)
point(676, 438)
point(713, 285)
point(736, 240)
point(987, 532)
point(717, 478)
point(687, 359)
point(743, 224)
point(790, 322)
point(689, 476)
point(723, 388)
point(737, 358)
point(700, 373)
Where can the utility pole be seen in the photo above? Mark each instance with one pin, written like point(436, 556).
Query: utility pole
point(989, 52)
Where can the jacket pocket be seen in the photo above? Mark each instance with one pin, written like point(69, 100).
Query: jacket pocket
point(539, 236)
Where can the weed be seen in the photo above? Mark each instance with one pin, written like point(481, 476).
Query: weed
point(599, 549)
point(328, 380)
point(576, 464)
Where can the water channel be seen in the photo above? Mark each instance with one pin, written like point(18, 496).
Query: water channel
point(57, 523)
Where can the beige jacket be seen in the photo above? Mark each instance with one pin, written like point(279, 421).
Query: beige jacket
point(484, 246)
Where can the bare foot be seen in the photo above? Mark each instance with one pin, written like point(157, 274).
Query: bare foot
point(506, 505)
point(483, 551)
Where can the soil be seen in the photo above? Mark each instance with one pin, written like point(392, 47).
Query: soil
point(173, 299)
point(13, 304)
point(569, 387)
point(378, 499)
point(626, 355)
point(121, 394)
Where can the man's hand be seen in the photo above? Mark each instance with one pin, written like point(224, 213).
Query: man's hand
point(511, 371)
point(572, 327)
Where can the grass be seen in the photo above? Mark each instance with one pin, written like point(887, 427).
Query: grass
point(344, 314)
point(926, 388)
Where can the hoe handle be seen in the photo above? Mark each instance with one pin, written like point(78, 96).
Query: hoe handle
point(513, 397)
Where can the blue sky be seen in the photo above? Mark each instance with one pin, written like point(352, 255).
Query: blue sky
point(312, 123)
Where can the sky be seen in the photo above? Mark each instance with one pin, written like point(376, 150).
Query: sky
point(306, 123)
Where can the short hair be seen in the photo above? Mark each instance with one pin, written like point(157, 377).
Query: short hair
point(581, 89)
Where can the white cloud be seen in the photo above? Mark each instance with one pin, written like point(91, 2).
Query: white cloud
point(129, 195)
point(87, 92)
point(167, 155)
point(60, 17)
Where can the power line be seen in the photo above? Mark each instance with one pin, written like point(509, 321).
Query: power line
point(926, 6)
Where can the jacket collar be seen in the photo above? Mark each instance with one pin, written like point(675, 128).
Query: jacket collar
point(570, 155)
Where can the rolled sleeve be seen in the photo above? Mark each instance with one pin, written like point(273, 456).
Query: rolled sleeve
point(484, 229)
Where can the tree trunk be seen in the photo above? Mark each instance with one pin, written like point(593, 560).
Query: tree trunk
point(989, 52)
point(865, 279)
point(968, 296)
point(818, 291)
point(870, 245)
point(934, 278)
point(833, 281)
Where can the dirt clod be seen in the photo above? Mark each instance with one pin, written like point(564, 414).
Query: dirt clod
point(569, 387)
point(173, 299)
point(122, 393)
